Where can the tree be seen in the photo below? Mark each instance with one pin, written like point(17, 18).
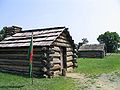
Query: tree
point(85, 41)
point(111, 40)
point(3, 33)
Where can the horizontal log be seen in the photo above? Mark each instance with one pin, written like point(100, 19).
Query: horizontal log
point(11, 55)
point(56, 54)
point(57, 72)
point(18, 67)
point(62, 37)
point(24, 52)
point(61, 44)
point(13, 49)
point(70, 49)
point(70, 53)
point(21, 56)
point(70, 69)
point(70, 58)
point(56, 48)
point(24, 49)
point(14, 63)
point(56, 67)
point(69, 64)
point(62, 41)
point(21, 63)
point(19, 71)
point(56, 60)
point(22, 60)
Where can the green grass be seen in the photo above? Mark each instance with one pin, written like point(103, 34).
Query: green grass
point(14, 82)
point(95, 66)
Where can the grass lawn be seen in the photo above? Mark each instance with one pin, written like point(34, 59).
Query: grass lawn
point(14, 82)
point(95, 66)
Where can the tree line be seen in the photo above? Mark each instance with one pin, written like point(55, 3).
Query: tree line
point(111, 41)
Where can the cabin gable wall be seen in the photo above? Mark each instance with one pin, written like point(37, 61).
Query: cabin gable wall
point(60, 43)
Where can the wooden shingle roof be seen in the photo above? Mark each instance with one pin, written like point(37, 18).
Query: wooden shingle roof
point(41, 37)
point(92, 47)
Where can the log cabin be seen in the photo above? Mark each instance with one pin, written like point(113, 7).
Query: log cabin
point(92, 51)
point(54, 52)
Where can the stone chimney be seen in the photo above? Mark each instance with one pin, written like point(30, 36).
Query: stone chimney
point(12, 30)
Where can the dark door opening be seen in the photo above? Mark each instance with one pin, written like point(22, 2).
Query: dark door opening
point(63, 61)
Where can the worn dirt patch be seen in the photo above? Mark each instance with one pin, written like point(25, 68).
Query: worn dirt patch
point(109, 81)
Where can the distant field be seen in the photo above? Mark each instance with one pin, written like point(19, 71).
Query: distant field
point(95, 66)
point(13, 82)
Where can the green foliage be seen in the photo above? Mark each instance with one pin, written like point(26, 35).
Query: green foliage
point(85, 41)
point(2, 34)
point(95, 66)
point(13, 82)
point(111, 40)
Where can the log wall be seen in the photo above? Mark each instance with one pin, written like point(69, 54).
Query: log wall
point(63, 41)
point(91, 54)
point(15, 60)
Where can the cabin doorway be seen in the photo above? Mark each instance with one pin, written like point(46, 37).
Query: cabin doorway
point(63, 61)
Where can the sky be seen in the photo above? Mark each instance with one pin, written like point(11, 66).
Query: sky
point(84, 18)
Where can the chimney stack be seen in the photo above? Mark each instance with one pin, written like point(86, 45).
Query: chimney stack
point(12, 30)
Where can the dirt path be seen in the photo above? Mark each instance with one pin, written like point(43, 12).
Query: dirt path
point(102, 82)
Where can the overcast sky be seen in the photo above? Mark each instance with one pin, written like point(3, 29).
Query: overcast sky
point(84, 18)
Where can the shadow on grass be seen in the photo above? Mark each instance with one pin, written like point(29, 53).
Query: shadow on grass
point(9, 86)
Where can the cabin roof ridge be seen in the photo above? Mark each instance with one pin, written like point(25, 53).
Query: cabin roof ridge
point(43, 29)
